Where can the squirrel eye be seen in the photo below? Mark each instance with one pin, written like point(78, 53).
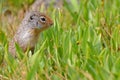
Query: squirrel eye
point(42, 19)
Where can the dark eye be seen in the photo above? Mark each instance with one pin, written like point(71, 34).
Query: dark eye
point(42, 19)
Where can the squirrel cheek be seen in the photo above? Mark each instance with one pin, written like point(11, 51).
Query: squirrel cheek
point(39, 26)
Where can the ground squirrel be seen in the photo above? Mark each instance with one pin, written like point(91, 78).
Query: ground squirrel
point(28, 32)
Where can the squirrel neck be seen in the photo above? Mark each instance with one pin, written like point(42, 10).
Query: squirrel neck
point(33, 32)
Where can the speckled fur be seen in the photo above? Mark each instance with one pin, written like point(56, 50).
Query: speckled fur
point(28, 32)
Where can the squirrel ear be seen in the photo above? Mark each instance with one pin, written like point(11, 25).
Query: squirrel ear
point(32, 17)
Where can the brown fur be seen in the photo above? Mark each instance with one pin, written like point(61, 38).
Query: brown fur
point(28, 32)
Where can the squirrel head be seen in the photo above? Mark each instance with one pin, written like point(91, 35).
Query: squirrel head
point(37, 20)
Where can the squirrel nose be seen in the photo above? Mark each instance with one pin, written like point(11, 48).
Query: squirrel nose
point(51, 23)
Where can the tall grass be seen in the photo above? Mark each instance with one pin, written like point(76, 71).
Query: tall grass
point(83, 44)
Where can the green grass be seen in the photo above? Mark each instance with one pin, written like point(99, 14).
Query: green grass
point(83, 44)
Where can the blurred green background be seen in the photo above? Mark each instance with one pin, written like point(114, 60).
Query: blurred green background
point(83, 43)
